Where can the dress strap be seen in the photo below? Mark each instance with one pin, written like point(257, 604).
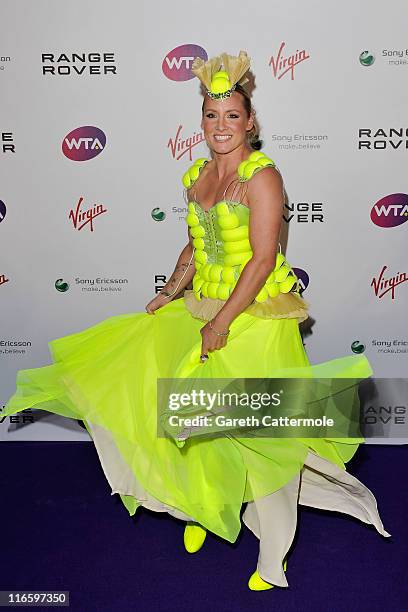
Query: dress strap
point(238, 185)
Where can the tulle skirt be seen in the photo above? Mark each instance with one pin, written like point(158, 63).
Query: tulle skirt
point(106, 375)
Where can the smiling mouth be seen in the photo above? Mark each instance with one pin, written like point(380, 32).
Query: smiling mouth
point(220, 138)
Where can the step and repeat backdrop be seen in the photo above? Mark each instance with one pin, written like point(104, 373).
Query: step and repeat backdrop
point(100, 117)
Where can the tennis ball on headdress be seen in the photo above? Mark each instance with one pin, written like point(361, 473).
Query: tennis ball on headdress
point(220, 82)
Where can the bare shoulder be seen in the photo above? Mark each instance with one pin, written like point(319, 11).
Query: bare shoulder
point(266, 184)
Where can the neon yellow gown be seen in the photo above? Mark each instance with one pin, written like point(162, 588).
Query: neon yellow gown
point(106, 375)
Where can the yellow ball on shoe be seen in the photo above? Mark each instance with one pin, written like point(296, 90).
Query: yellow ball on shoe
point(256, 583)
point(194, 536)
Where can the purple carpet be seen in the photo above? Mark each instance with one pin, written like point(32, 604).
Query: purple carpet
point(62, 530)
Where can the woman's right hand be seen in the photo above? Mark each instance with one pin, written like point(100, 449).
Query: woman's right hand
point(156, 303)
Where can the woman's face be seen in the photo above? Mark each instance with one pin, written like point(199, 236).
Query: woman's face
point(225, 123)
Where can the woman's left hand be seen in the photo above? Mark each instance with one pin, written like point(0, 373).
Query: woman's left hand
point(210, 341)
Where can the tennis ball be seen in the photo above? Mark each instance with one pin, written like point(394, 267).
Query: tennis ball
point(200, 256)
point(220, 84)
point(227, 274)
point(197, 231)
point(273, 289)
point(194, 172)
point(198, 243)
point(241, 168)
point(287, 284)
point(280, 259)
point(282, 273)
point(262, 295)
point(223, 291)
point(215, 272)
point(213, 290)
point(255, 155)
point(186, 180)
point(222, 208)
point(266, 161)
point(250, 169)
point(228, 221)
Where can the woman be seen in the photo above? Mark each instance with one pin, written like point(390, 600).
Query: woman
point(240, 319)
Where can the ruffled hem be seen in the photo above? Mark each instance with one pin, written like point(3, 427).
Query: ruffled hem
point(283, 306)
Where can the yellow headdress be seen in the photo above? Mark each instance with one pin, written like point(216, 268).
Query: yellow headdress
point(221, 83)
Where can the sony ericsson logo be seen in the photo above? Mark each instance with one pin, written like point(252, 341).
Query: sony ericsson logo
point(61, 285)
point(3, 211)
point(157, 214)
point(357, 347)
point(390, 211)
point(366, 58)
point(176, 65)
point(84, 143)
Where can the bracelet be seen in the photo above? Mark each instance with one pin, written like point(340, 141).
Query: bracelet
point(218, 333)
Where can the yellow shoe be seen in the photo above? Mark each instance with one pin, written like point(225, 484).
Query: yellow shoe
point(256, 583)
point(194, 536)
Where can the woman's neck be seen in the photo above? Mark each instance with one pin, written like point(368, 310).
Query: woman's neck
point(227, 163)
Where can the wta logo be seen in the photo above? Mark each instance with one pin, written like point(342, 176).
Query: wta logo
point(390, 211)
point(83, 143)
point(177, 64)
point(302, 277)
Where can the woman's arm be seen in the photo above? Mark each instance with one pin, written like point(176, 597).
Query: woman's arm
point(265, 200)
point(183, 272)
point(181, 277)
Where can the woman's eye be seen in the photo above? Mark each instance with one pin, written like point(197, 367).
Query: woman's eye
point(232, 115)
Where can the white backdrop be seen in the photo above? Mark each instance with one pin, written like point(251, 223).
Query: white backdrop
point(134, 87)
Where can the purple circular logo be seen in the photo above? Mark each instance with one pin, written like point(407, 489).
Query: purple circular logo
point(3, 210)
point(303, 278)
point(177, 64)
point(390, 211)
point(83, 143)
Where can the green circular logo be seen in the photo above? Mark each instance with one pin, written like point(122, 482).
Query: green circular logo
point(61, 285)
point(157, 214)
point(366, 58)
point(358, 347)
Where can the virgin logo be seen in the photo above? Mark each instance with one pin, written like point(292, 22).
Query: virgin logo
point(3, 279)
point(82, 218)
point(390, 211)
point(282, 64)
point(383, 285)
point(83, 143)
point(176, 65)
point(179, 146)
